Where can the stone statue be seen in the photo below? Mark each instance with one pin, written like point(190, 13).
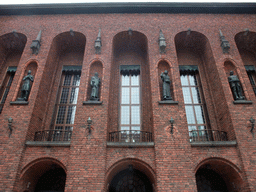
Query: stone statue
point(95, 82)
point(25, 89)
point(166, 85)
point(235, 86)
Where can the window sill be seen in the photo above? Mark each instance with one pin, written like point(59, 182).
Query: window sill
point(242, 102)
point(92, 102)
point(168, 102)
point(214, 144)
point(19, 102)
point(130, 145)
point(48, 143)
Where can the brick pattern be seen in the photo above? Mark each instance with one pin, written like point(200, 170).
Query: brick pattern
point(88, 161)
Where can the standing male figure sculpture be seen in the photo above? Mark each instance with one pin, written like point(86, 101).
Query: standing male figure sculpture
point(235, 86)
point(25, 89)
point(95, 82)
point(166, 85)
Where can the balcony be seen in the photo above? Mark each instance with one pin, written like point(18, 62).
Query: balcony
point(208, 137)
point(130, 138)
point(51, 138)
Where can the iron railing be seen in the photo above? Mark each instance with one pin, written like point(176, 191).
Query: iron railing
point(207, 135)
point(130, 136)
point(53, 135)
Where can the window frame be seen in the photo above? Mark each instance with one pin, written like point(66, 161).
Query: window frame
point(65, 126)
point(5, 88)
point(205, 133)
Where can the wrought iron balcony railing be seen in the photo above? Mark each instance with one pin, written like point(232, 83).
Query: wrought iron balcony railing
point(130, 136)
point(53, 135)
point(207, 135)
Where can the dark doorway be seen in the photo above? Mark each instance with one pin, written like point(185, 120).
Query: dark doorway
point(210, 181)
point(52, 181)
point(130, 180)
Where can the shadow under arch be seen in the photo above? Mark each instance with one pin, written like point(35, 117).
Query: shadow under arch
point(67, 49)
point(193, 49)
point(218, 174)
point(130, 50)
point(42, 175)
point(130, 164)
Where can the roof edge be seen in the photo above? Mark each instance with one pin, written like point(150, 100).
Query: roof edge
point(105, 8)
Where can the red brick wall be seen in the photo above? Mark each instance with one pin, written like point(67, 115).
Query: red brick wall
point(88, 159)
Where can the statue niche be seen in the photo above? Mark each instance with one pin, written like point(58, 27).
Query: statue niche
point(26, 87)
point(95, 83)
point(235, 86)
point(166, 85)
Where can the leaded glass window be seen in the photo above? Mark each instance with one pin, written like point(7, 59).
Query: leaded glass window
point(130, 105)
point(252, 77)
point(5, 88)
point(194, 105)
point(66, 102)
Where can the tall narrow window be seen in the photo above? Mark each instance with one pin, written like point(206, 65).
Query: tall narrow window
point(194, 103)
point(6, 86)
point(66, 102)
point(130, 105)
point(250, 69)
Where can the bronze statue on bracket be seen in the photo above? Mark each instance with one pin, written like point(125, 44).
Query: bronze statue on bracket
point(166, 85)
point(235, 86)
point(95, 82)
point(26, 86)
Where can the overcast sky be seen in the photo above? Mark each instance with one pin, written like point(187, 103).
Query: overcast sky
point(98, 1)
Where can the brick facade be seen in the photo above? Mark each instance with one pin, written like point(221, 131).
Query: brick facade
point(91, 161)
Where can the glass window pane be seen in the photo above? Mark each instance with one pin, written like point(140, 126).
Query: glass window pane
point(190, 115)
point(64, 95)
point(61, 115)
point(125, 115)
point(195, 95)
point(184, 80)
point(74, 95)
point(67, 80)
point(135, 95)
point(135, 80)
point(71, 115)
point(125, 95)
point(135, 114)
point(199, 114)
point(186, 95)
point(192, 80)
point(76, 80)
point(135, 128)
point(124, 128)
point(125, 80)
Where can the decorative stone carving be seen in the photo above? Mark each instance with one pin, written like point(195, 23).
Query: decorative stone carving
point(98, 44)
point(166, 85)
point(224, 43)
point(35, 46)
point(95, 82)
point(25, 90)
point(235, 86)
point(162, 42)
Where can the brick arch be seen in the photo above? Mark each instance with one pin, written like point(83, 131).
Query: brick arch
point(229, 172)
point(130, 49)
point(11, 49)
point(124, 164)
point(34, 170)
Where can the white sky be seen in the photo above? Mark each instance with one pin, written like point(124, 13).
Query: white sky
point(5, 2)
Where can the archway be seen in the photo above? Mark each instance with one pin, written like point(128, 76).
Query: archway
point(130, 180)
point(130, 175)
point(219, 175)
point(43, 175)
